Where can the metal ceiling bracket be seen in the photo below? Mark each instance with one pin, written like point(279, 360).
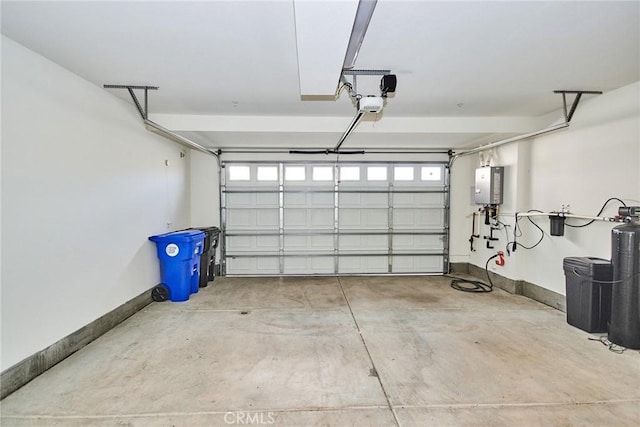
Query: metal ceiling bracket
point(153, 126)
point(353, 87)
point(366, 72)
point(568, 115)
point(144, 113)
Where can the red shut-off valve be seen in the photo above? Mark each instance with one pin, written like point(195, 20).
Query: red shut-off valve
point(500, 261)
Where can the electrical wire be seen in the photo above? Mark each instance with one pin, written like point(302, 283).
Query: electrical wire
point(517, 232)
point(598, 214)
point(476, 285)
point(615, 348)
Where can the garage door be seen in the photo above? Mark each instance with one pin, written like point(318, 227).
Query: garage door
point(284, 218)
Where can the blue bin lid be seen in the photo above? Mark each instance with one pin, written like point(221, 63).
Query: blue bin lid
point(178, 236)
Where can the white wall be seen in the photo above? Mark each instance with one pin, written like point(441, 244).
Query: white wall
point(205, 193)
point(460, 195)
point(597, 157)
point(83, 186)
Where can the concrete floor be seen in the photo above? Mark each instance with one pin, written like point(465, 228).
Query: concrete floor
point(358, 351)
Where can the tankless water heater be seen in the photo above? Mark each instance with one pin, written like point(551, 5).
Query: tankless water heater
point(489, 185)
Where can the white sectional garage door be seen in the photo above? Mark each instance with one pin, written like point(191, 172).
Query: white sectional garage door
point(307, 218)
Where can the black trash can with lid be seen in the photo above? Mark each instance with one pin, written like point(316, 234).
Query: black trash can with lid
point(208, 257)
point(588, 293)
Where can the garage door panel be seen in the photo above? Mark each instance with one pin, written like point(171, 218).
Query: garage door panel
point(321, 218)
point(268, 243)
point(416, 264)
point(418, 199)
point(417, 242)
point(297, 218)
point(295, 242)
point(376, 218)
point(245, 243)
point(241, 218)
point(374, 200)
point(321, 199)
point(253, 243)
point(364, 218)
point(267, 199)
point(356, 264)
point(266, 218)
point(350, 218)
point(418, 218)
point(372, 242)
point(295, 199)
point(241, 199)
point(252, 265)
point(349, 199)
point(251, 200)
point(304, 265)
point(323, 243)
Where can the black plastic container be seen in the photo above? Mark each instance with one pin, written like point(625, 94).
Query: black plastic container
point(624, 328)
point(588, 300)
point(556, 225)
point(208, 257)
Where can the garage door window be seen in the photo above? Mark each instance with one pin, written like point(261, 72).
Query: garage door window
point(377, 173)
point(323, 173)
point(349, 173)
point(294, 173)
point(267, 173)
point(430, 173)
point(239, 173)
point(403, 173)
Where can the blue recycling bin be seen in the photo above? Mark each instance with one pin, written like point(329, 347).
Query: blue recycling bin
point(179, 253)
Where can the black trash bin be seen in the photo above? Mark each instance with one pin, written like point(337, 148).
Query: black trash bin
point(588, 294)
point(208, 257)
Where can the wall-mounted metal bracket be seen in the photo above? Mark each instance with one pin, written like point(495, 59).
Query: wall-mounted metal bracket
point(568, 115)
point(144, 113)
point(153, 126)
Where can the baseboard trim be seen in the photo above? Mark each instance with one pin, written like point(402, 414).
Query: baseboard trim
point(22, 372)
point(519, 287)
point(459, 267)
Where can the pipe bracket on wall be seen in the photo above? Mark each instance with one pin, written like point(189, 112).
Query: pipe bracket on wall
point(153, 126)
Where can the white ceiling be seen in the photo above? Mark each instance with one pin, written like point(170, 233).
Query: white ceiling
point(486, 69)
